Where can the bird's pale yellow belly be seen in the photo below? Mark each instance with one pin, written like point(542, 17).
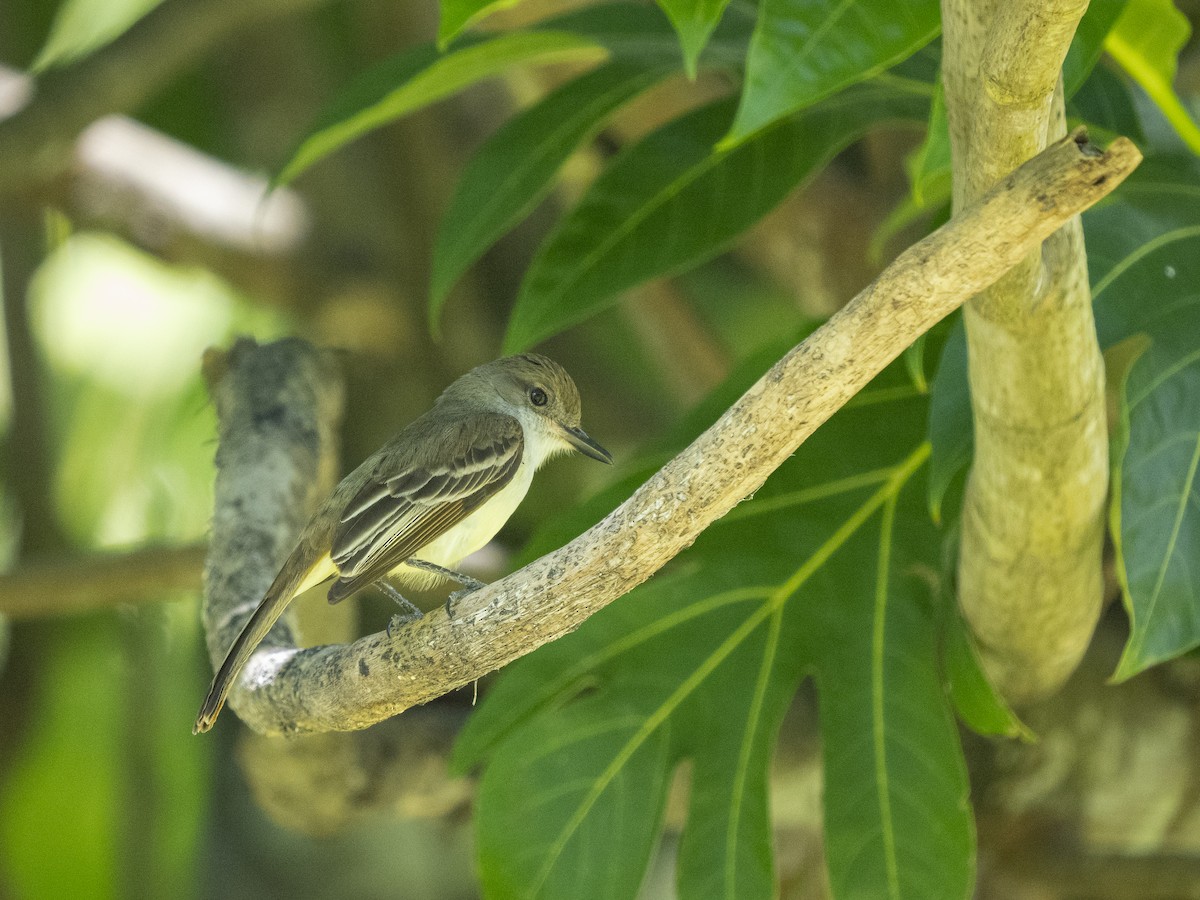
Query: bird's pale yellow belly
point(473, 532)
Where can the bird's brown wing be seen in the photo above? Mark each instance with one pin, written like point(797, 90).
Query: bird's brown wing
point(410, 500)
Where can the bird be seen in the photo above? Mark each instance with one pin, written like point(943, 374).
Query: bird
point(436, 492)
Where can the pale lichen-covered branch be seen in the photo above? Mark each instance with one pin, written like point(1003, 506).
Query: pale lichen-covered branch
point(279, 408)
point(1029, 574)
point(344, 687)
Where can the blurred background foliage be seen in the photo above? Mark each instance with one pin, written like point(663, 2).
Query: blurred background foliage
point(158, 244)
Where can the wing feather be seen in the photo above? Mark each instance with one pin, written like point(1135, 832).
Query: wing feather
point(395, 514)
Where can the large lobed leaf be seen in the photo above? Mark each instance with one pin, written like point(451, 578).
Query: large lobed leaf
point(825, 570)
point(672, 201)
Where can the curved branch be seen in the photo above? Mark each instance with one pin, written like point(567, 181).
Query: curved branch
point(1029, 576)
point(338, 687)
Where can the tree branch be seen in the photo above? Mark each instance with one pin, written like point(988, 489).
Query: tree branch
point(332, 688)
point(1029, 575)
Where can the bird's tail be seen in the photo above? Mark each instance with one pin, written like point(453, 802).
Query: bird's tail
point(297, 575)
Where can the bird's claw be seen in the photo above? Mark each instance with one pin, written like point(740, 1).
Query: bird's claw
point(410, 611)
point(459, 594)
point(399, 620)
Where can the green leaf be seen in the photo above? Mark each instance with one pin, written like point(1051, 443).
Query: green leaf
point(673, 201)
point(804, 50)
point(823, 570)
point(455, 15)
point(975, 699)
point(82, 26)
point(895, 783)
point(928, 166)
point(421, 76)
point(1146, 265)
point(694, 21)
point(1146, 42)
point(515, 168)
point(951, 430)
point(1104, 102)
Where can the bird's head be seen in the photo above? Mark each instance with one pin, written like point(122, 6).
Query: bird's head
point(535, 390)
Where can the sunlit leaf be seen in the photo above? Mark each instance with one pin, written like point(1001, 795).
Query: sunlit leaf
point(421, 76)
point(672, 201)
point(515, 168)
point(82, 26)
point(804, 50)
point(1146, 42)
point(455, 15)
point(694, 21)
point(826, 569)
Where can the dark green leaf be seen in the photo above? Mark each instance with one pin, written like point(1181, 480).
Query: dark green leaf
point(1145, 253)
point(1105, 103)
point(1088, 43)
point(515, 168)
point(951, 431)
point(672, 201)
point(974, 698)
point(421, 76)
point(804, 50)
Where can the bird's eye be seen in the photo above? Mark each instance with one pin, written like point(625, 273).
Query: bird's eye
point(537, 397)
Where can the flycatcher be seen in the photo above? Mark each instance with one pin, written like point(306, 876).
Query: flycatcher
point(432, 495)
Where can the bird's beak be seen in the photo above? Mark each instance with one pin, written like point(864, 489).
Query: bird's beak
point(578, 438)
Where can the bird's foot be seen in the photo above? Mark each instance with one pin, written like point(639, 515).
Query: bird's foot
point(469, 584)
point(410, 612)
point(458, 595)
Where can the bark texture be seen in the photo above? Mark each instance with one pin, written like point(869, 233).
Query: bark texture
point(1029, 575)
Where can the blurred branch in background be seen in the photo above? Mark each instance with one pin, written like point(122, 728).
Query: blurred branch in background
point(30, 461)
point(36, 141)
point(66, 587)
point(180, 204)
